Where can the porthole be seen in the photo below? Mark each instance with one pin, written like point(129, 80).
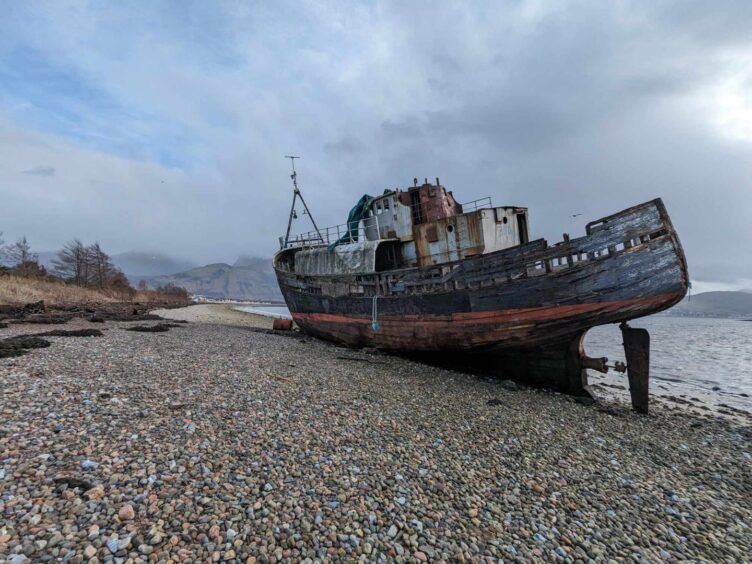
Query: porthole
point(450, 228)
point(505, 219)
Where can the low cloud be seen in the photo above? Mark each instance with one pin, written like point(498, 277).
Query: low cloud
point(348, 146)
point(41, 170)
point(173, 130)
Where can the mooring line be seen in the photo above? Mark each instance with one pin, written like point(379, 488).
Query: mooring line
point(374, 314)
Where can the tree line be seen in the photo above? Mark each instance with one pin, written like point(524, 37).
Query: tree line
point(78, 264)
point(87, 265)
point(82, 265)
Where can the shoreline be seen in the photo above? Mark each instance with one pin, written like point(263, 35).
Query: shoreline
point(254, 309)
point(212, 441)
point(609, 387)
point(219, 314)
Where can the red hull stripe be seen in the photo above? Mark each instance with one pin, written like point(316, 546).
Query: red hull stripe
point(499, 316)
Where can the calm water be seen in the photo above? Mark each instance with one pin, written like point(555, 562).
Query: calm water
point(690, 355)
point(687, 355)
point(271, 311)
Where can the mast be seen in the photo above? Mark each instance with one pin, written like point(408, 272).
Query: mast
point(296, 195)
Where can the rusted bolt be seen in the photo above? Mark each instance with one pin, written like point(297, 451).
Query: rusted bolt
point(599, 364)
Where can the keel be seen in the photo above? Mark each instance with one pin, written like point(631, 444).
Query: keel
point(637, 351)
point(562, 367)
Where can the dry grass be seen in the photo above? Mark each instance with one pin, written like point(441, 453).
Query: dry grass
point(19, 291)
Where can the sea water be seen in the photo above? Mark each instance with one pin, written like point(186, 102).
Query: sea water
point(267, 310)
point(709, 357)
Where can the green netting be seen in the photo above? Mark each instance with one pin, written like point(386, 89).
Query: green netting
point(356, 214)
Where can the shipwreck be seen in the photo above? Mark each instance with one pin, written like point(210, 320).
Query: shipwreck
point(413, 270)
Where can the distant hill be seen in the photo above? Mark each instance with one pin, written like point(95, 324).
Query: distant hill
point(136, 264)
point(248, 279)
point(715, 304)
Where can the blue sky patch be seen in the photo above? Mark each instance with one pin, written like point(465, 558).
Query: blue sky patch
point(51, 98)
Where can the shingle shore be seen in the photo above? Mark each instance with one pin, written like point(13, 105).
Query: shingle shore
point(219, 443)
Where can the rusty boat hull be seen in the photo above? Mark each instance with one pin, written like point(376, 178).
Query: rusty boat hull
point(524, 309)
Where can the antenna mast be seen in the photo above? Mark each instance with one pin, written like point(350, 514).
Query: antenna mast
point(297, 194)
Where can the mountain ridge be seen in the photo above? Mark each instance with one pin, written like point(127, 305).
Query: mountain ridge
point(715, 304)
point(254, 279)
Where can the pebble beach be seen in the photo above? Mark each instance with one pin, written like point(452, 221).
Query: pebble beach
point(220, 440)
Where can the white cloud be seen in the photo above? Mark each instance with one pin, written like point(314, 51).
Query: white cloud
point(167, 125)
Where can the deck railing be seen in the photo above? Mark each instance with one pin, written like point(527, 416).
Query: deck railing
point(478, 204)
point(329, 235)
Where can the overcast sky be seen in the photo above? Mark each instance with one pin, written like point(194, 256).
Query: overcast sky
point(162, 126)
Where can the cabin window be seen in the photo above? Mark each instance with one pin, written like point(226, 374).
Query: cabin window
point(386, 204)
point(417, 212)
point(378, 207)
point(450, 228)
point(504, 219)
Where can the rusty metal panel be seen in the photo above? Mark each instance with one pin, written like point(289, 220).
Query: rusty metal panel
point(422, 247)
point(436, 202)
point(448, 239)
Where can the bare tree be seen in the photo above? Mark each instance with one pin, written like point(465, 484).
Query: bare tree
point(20, 252)
point(88, 266)
point(100, 268)
point(72, 263)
